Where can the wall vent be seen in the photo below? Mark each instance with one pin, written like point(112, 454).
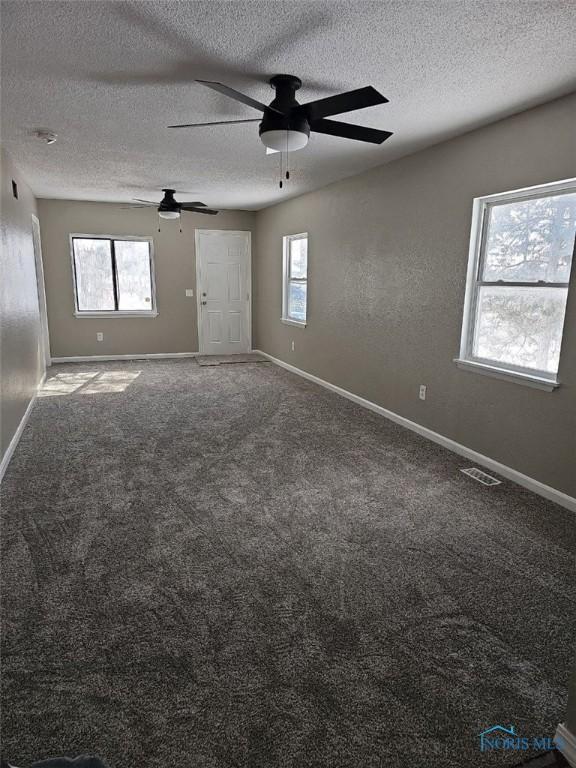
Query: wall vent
point(480, 476)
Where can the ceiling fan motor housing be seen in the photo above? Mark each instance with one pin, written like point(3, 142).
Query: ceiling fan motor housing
point(168, 203)
point(288, 131)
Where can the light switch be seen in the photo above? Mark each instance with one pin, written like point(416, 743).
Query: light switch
point(189, 292)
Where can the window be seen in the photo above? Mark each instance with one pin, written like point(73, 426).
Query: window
point(295, 279)
point(520, 259)
point(113, 276)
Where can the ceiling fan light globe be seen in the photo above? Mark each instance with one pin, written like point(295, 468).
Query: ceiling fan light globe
point(284, 141)
point(169, 214)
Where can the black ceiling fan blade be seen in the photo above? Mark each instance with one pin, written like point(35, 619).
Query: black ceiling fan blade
point(342, 102)
point(237, 96)
point(349, 131)
point(195, 204)
point(146, 202)
point(218, 122)
point(130, 207)
point(194, 209)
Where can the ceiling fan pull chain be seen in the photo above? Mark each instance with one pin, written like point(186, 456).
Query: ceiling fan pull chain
point(158, 222)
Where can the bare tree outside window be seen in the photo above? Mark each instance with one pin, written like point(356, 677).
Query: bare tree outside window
point(112, 275)
point(94, 280)
point(521, 282)
point(531, 240)
point(133, 269)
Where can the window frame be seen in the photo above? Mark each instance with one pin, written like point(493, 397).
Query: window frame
point(287, 280)
point(480, 220)
point(94, 313)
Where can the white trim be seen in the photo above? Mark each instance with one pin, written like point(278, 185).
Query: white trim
point(104, 236)
point(287, 240)
point(563, 185)
point(563, 499)
point(566, 743)
point(18, 434)
point(40, 282)
point(297, 323)
point(549, 385)
point(114, 314)
point(197, 233)
point(102, 358)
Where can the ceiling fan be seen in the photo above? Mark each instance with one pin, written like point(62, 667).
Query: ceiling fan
point(286, 124)
point(170, 208)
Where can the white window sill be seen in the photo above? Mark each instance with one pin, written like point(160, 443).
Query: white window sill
point(297, 323)
point(538, 382)
point(92, 315)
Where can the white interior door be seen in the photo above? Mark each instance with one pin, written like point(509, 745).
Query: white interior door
point(223, 285)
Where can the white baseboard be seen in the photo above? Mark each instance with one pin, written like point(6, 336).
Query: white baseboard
point(569, 502)
point(18, 434)
point(103, 358)
point(566, 743)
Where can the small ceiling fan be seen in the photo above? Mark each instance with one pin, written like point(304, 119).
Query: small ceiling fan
point(286, 124)
point(170, 208)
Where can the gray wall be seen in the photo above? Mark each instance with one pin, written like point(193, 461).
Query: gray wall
point(175, 328)
point(388, 252)
point(22, 364)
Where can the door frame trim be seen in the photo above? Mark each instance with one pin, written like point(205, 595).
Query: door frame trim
point(41, 286)
point(197, 233)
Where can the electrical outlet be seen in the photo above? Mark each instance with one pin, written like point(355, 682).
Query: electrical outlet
point(99, 336)
point(292, 346)
point(189, 292)
point(422, 394)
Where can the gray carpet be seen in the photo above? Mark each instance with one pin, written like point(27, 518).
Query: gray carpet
point(231, 567)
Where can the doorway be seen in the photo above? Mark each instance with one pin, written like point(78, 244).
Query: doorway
point(223, 286)
point(43, 311)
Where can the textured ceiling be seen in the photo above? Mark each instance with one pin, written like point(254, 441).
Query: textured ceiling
point(109, 77)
